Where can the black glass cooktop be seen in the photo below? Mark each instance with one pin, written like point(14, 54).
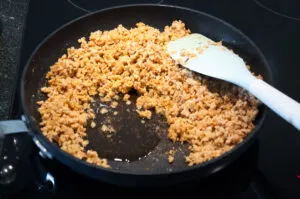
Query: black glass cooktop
point(269, 169)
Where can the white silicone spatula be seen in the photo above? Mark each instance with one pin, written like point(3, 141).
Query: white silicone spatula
point(200, 54)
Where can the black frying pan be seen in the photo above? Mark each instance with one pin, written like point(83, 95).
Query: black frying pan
point(144, 146)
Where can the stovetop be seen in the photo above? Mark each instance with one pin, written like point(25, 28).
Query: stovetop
point(269, 169)
point(50, 179)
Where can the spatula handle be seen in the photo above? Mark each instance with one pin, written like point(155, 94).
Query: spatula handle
point(280, 103)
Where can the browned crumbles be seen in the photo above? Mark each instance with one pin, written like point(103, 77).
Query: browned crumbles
point(114, 104)
point(108, 129)
point(103, 110)
point(115, 113)
point(188, 54)
point(145, 114)
point(171, 156)
point(93, 124)
point(126, 97)
point(210, 115)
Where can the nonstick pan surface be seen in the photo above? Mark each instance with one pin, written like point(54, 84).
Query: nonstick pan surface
point(138, 153)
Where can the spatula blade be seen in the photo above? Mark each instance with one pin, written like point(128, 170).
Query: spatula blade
point(200, 54)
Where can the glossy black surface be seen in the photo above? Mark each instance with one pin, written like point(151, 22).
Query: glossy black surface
point(50, 179)
point(275, 35)
point(91, 5)
point(287, 9)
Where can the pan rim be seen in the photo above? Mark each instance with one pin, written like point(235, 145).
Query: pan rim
point(36, 132)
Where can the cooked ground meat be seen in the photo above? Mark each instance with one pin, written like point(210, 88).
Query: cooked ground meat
point(171, 156)
point(145, 114)
point(103, 111)
point(212, 116)
point(107, 129)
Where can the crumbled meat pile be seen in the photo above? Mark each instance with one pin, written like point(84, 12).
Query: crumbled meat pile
point(210, 115)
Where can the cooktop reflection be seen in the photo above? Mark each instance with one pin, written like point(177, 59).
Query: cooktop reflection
point(36, 177)
point(91, 5)
point(287, 8)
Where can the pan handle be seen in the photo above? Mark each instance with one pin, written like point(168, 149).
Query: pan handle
point(11, 127)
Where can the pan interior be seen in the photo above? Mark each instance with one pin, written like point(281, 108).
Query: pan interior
point(145, 145)
point(133, 138)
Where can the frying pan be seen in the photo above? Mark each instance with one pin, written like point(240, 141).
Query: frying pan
point(138, 153)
